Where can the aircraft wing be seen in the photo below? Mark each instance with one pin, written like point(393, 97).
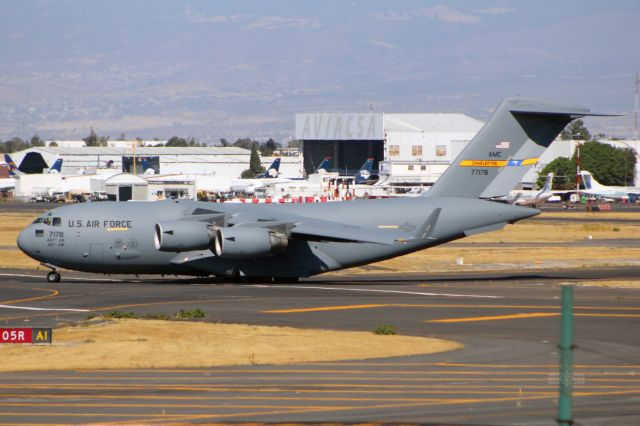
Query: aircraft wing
point(302, 227)
point(334, 231)
point(324, 230)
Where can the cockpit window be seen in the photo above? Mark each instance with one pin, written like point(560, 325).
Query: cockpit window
point(38, 220)
point(57, 221)
point(47, 221)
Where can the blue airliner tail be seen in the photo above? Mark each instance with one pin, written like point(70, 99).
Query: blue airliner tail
point(13, 169)
point(325, 166)
point(57, 166)
point(272, 171)
point(147, 168)
point(365, 174)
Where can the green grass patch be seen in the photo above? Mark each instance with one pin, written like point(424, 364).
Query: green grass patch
point(161, 317)
point(121, 315)
point(385, 329)
point(193, 314)
point(189, 315)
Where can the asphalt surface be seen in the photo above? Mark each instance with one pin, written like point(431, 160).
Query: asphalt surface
point(506, 374)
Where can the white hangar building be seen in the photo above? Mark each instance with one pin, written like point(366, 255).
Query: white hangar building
point(407, 148)
point(226, 162)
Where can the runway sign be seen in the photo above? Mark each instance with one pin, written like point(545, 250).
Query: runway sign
point(26, 335)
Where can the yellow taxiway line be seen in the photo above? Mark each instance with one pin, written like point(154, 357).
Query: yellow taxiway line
point(436, 305)
point(527, 315)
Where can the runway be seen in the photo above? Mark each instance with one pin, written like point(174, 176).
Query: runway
point(507, 373)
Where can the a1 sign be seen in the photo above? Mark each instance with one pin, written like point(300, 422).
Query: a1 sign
point(26, 335)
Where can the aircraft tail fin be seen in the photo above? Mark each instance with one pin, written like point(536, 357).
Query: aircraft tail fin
point(57, 166)
point(272, 171)
point(548, 183)
point(504, 149)
point(13, 169)
point(589, 181)
point(324, 166)
point(365, 172)
point(147, 169)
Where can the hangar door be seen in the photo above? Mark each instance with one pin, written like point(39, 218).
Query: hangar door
point(125, 193)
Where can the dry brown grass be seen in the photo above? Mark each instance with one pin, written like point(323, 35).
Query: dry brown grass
point(14, 258)
point(593, 215)
point(560, 232)
point(162, 344)
point(443, 258)
point(12, 223)
point(610, 284)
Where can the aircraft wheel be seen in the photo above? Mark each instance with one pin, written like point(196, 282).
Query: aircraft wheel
point(53, 277)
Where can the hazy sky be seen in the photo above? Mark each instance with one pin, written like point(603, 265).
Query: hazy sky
point(213, 69)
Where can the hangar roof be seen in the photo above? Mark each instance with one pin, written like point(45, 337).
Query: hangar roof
point(126, 179)
point(144, 151)
point(432, 123)
point(372, 126)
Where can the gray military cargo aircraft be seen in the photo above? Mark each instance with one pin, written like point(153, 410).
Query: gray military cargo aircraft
point(281, 243)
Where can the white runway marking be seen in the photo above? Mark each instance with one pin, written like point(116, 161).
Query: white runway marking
point(65, 278)
point(371, 290)
point(31, 308)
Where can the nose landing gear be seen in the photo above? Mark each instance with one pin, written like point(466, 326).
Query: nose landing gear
point(54, 275)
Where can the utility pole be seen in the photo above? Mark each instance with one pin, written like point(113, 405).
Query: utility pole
point(578, 167)
point(636, 108)
point(565, 417)
point(135, 143)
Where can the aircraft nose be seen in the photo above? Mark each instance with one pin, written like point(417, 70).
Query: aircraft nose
point(23, 241)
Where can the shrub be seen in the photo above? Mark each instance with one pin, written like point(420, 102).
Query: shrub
point(120, 315)
point(192, 314)
point(385, 329)
point(163, 317)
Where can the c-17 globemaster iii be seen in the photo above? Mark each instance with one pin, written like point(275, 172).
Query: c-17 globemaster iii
point(284, 242)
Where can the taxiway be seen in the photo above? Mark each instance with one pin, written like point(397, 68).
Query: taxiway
point(507, 372)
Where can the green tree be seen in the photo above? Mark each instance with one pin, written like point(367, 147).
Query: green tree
point(13, 145)
point(36, 141)
point(245, 143)
point(176, 141)
point(92, 139)
point(224, 142)
point(576, 131)
point(254, 162)
point(269, 147)
point(53, 144)
point(564, 170)
point(608, 164)
point(255, 167)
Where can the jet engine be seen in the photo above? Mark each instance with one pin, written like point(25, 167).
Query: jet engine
point(183, 236)
point(248, 242)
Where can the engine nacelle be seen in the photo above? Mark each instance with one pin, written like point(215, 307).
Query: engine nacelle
point(248, 242)
point(180, 236)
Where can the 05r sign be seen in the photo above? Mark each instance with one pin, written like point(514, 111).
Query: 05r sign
point(25, 335)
